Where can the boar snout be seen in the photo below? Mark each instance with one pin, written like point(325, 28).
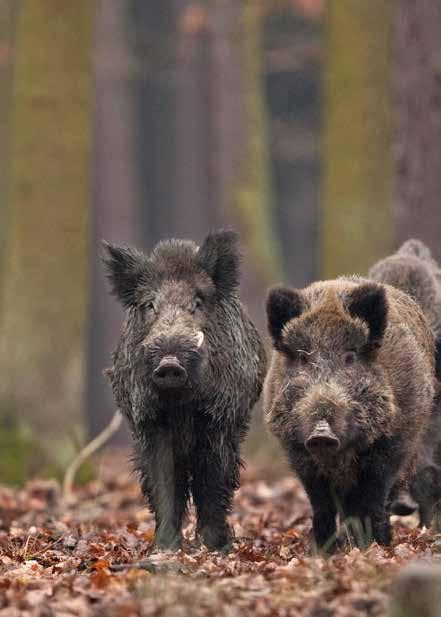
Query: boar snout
point(170, 373)
point(322, 439)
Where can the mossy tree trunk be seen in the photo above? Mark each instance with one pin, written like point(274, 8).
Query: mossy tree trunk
point(255, 187)
point(356, 224)
point(43, 313)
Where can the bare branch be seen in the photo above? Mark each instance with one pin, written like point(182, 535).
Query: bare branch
point(90, 449)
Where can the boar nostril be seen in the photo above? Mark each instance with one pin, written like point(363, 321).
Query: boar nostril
point(170, 373)
point(322, 439)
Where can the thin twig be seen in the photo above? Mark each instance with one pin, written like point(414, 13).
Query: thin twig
point(44, 549)
point(26, 546)
point(90, 449)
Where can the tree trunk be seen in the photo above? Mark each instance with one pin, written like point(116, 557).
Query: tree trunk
point(42, 332)
point(116, 192)
point(417, 126)
point(242, 184)
point(193, 130)
point(8, 21)
point(293, 62)
point(356, 226)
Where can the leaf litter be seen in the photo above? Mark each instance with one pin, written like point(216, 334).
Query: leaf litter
point(92, 556)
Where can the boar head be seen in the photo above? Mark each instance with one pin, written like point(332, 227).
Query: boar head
point(171, 298)
point(332, 394)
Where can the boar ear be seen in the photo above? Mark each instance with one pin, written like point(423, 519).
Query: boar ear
point(219, 257)
point(368, 302)
point(416, 248)
point(125, 269)
point(282, 305)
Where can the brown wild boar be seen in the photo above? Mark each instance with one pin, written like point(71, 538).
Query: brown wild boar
point(413, 270)
point(348, 394)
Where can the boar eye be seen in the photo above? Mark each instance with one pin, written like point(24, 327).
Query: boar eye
point(198, 303)
point(303, 359)
point(150, 307)
point(350, 358)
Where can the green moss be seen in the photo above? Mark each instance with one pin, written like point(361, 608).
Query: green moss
point(253, 193)
point(20, 458)
point(25, 456)
point(356, 226)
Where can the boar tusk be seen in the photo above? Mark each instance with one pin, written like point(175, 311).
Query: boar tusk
point(200, 339)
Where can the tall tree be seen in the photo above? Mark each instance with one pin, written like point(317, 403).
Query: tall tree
point(242, 181)
point(193, 122)
point(8, 22)
point(417, 121)
point(292, 48)
point(356, 226)
point(42, 330)
point(117, 187)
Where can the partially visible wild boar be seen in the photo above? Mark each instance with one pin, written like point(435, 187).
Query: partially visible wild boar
point(413, 270)
point(186, 373)
point(349, 393)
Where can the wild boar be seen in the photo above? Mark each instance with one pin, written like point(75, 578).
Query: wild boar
point(348, 393)
point(188, 368)
point(413, 270)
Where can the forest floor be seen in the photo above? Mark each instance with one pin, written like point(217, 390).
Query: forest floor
point(58, 558)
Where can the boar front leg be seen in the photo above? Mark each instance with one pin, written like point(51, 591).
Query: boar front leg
point(165, 485)
point(324, 513)
point(367, 502)
point(216, 472)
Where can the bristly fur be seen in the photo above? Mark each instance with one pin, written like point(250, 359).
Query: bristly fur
point(186, 443)
point(413, 270)
point(324, 388)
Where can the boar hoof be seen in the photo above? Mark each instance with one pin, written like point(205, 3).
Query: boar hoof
point(216, 539)
point(167, 542)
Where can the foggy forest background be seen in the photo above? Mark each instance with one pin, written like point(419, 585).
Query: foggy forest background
point(311, 126)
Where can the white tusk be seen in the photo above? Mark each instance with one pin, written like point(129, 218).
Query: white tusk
point(200, 339)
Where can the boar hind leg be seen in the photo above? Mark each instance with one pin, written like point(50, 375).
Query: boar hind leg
point(426, 486)
point(215, 478)
point(166, 487)
point(426, 514)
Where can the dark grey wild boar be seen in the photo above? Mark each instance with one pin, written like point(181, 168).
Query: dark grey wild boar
point(186, 373)
point(349, 393)
point(413, 270)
